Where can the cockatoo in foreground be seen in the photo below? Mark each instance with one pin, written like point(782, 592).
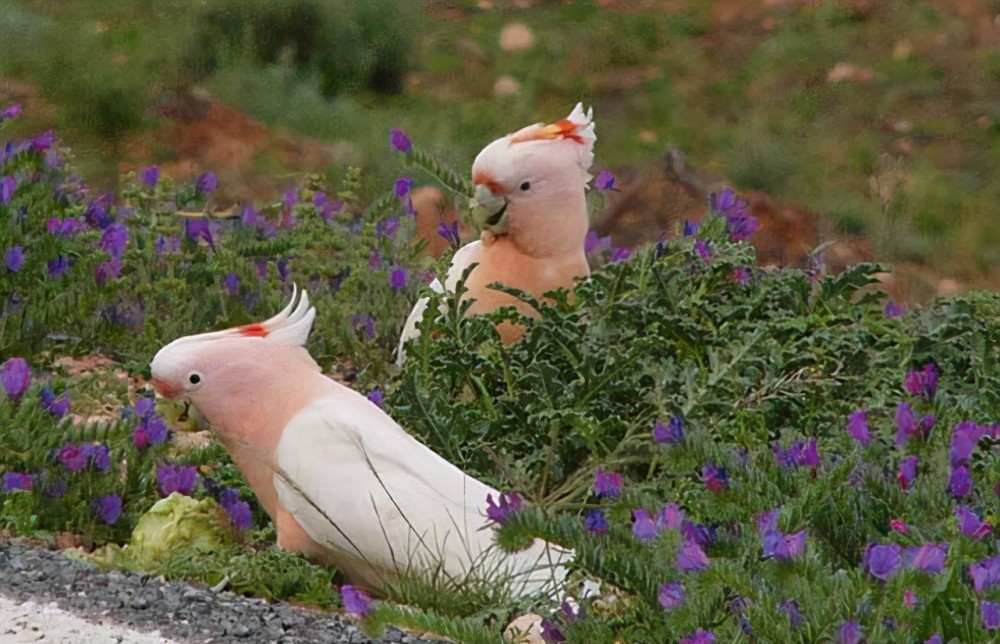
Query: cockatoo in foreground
point(342, 481)
point(531, 204)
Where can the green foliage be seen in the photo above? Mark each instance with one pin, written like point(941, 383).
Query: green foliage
point(349, 46)
point(753, 368)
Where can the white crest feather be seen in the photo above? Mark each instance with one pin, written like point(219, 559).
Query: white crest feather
point(293, 324)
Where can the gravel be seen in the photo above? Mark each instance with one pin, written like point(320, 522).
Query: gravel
point(159, 610)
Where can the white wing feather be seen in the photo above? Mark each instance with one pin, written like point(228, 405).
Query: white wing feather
point(388, 506)
point(464, 257)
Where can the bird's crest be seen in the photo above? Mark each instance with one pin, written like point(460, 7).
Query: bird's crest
point(578, 126)
point(290, 326)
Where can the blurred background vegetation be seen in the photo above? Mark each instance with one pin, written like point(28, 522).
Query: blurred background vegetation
point(876, 122)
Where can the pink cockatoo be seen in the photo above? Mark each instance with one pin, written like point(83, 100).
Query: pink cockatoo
point(530, 202)
point(342, 481)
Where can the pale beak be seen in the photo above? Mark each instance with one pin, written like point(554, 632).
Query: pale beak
point(164, 389)
point(489, 211)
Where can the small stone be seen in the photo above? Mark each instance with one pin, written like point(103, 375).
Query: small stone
point(525, 629)
point(516, 37)
point(242, 630)
point(139, 602)
point(847, 72)
point(506, 86)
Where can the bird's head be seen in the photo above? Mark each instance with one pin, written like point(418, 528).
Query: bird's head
point(531, 183)
point(210, 368)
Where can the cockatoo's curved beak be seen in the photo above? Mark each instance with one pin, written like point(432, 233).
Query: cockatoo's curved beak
point(164, 389)
point(489, 211)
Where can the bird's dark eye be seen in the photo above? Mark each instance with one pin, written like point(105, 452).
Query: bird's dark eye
point(194, 379)
point(525, 185)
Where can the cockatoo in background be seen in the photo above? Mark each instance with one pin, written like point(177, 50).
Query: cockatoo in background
point(342, 482)
point(530, 202)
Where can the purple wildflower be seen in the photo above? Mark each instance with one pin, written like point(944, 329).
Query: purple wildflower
point(449, 232)
point(783, 547)
point(670, 517)
point(906, 423)
point(58, 266)
point(150, 176)
point(399, 141)
point(703, 535)
point(928, 557)
point(739, 223)
point(922, 383)
point(283, 270)
point(985, 573)
point(963, 441)
point(109, 269)
point(671, 595)
point(7, 187)
point(402, 186)
point(386, 228)
point(607, 484)
point(605, 181)
point(397, 279)
point(970, 524)
point(364, 323)
point(768, 522)
point(376, 396)
point(114, 239)
point(894, 310)
point(356, 602)
point(643, 527)
point(596, 521)
point(151, 431)
point(177, 478)
point(14, 259)
point(907, 471)
point(619, 254)
point(42, 142)
point(960, 483)
point(572, 614)
point(809, 456)
point(857, 427)
point(934, 639)
point(231, 283)
point(690, 557)
point(109, 508)
point(909, 598)
point(881, 561)
point(849, 633)
point(699, 637)
point(72, 457)
point(11, 112)
point(508, 505)
point(238, 510)
point(206, 183)
point(592, 242)
point(550, 633)
point(15, 377)
point(795, 617)
point(690, 228)
point(62, 227)
point(990, 613)
point(200, 228)
point(703, 249)
point(671, 433)
point(98, 456)
point(741, 275)
point(715, 478)
point(16, 481)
